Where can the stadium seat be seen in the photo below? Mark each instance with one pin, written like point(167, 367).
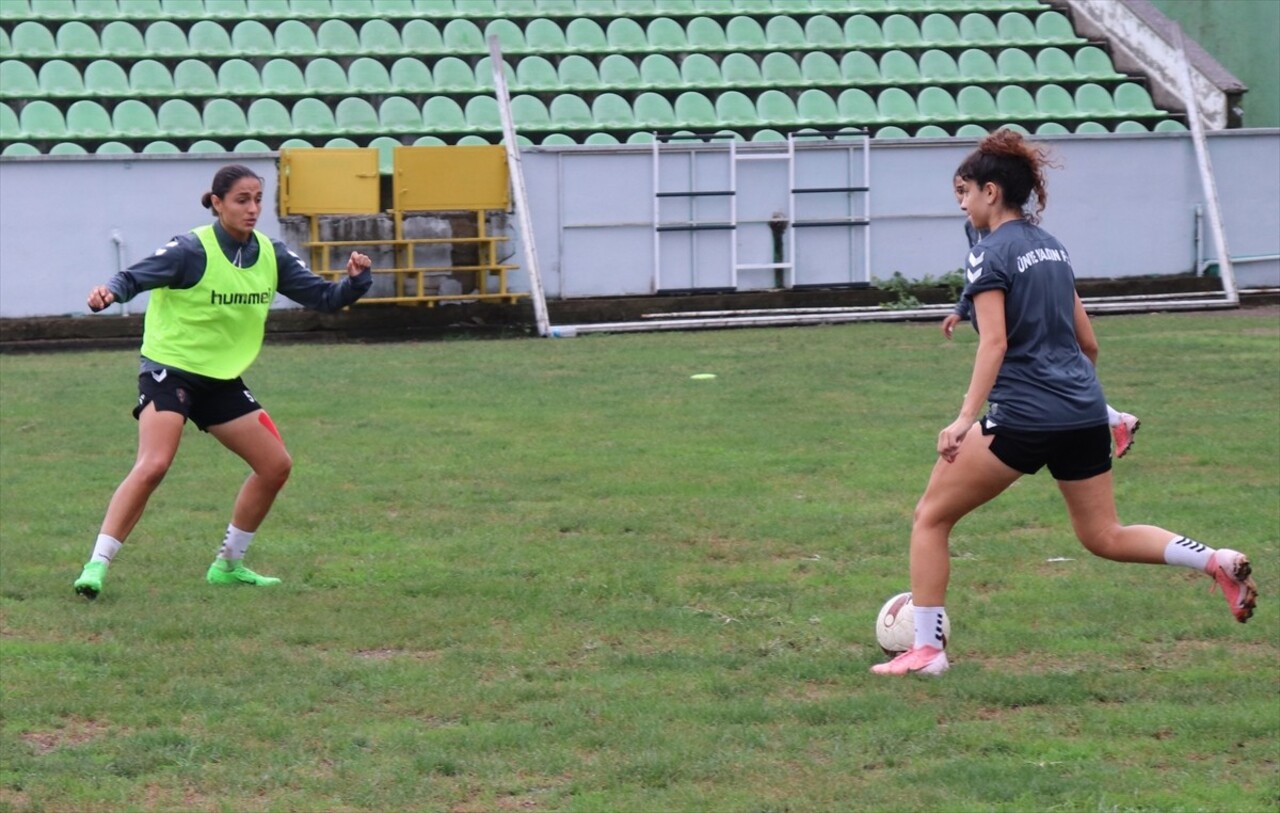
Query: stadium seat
point(354, 115)
point(442, 114)
point(1053, 26)
point(897, 67)
point(577, 72)
point(227, 9)
point(207, 38)
point(1015, 28)
point(165, 38)
point(1015, 102)
point(1054, 102)
point(1169, 126)
point(610, 111)
point(600, 138)
point(818, 108)
point(31, 39)
point(1094, 100)
point(336, 38)
point(699, 71)
point(695, 111)
point(77, 39)
point(295, 144)
point(891, 131)
point(268, 117)
point(140, 9)
point(60, 78)
point(1055, 65)
point(822, 31)
point(428, 141)
point(619, 72)
point(675, 7)
point(555, 8)
point(625, 35)
point(543, 37)
point(1051, 128)
point(481, 113)
point(536, 73)
point(976, 103)
point(529, 113)
point(42, 9)
point(104, 148)
point(569, 112)
point(484, 74)
point(357, 9)
point(369, 76)
point(452, 74)
point(558, 140)
point(386, 147)
point(936, 104)
point(283, 77)
point(740, 70)
point(1130, 126)
point(238, 77)
point(640, 137)
point(310, 116)
point(510, 36)
point(179, 117)
point(978, 29)
point(900, 31)
point(654, 110)
point(412, 76)
point(939, 31)
point(775, 108)
point(1093, 63)
point(269, 10)
point(182, 9)
point(857, 107)
point(205, 145)
point(134, 119)
point(820, 69)
point(659, 71)
point(251, 145)
point(705, 34)
point(859, 68)
point(767, 134)
point(71, 148)
point(194, 77)
point(252, 38)
point(585, 36)
point(745, 34)
point(1132, 99)
point(295, 38)
point(10, 129)
point(785, 32)
point(862, 31)
point(398, 114)
point(421, 37)
point(223, 117)
point(897, 105)
point(666, 35)
point(104, 77)
point(17, 79)
point(379, 37)
point(932, 131)
point(971, 131)
point(736, 109)
point(148, 77)
point(938, 67)
point(85, 119)
point(1087, 127)
point(977, 65)
point(600, 9)
point(780, 70)
point(325, 76)
point(19, 148)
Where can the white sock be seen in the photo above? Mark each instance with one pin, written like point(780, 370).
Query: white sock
point(1185, 552)
point(235, 543)
point(105, 549)
point(929, 626)
point(1113, 417)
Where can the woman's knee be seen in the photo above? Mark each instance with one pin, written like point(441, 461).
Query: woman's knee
point(149, 471)
point(277, 470)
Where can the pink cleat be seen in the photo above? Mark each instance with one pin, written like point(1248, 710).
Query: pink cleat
point(918, 660)
point(1123, 432)
point(1231, 571)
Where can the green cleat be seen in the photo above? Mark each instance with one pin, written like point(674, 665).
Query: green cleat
point(89, 584)
point(226, 572)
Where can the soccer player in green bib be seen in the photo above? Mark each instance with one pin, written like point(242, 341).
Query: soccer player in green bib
point(211, 289)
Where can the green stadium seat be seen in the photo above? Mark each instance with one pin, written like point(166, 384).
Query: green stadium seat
point(822, 31)
point(555, 8)
point(569, 112)
point(640, 137)
point(619, 72)
point(463, 37)
point(740, 70)
point(453, 75)
point(71, 148)
point(666, 35)
point(31, 39)
point(938, 66)
point(976, 102)
point(283, 77)
point(793, 6)
point(354, 115)
point(17, 79)
point(481, 113)
point(936, 104)
point(1051, 128)
point(473, 8)
point(859, 68)
point(612, 112)
point(586, 36)
point(386, 147)
point(558, 140)
point(1093, 63)
point(940, 31)
point(654, 110)
point(978, 29)
point(182, 9)
point(600, 9)
point(295, 38)
point(767, 135)
point(121, 39)
point(1091, 127)
point(269, 117)
point(338, 38)
point(428, 141)
point(757, 6)
point(675, 7)
point(578, 73)
point(817, 107)
point(529, 113)
point(1132, 99)
point(353, 9)
point(105, 148)
point(1055, 102)
point(41, 9)
point(484, 73)
point(207, 38)
point(165, 38)
point(600, 139)
point(626, 35)
point(700, 71)
point(705, 34)
point(368, 75)
point(821, 69)
point(77, 39)
point(735, 108)
point(179, 117)
point(379, 37)
point(310, 116)
point(295, 144)
point(269, 10)
point(745, 34)
point(133, 119)
point(252, 38)
point(862, 31)
point(251, 145)
point(932, 131)
point(325, 76)
point(895, 104)
point(19, 148)
point(1094, 100)
point(1016, 65)
point(897, 67)
point(104, 77)
point(891, 131)
point(442, 114)
point(194, 77)
point(60, 78)
point(1131, 126)
point(857, 107)
point(1055, 65)
point(223, 117)
point(421, 37)
point(398, 114)
point(1053, 26)
point(900, 31)
point(411, 75)
point(1015, 28)
point(148, 77)
point(1015, 102)
point(85, 119)
point(780, 70)
point(205, 145)
point(785, 32)
point(543, 36)
point(773, 107)
point(659, 71)
point(10, 129)
point(238, 77)
point(536, 73)
point(227, 9)
point(977, 65)
point(1169, 126)
point(694, 110)
point(510, 36)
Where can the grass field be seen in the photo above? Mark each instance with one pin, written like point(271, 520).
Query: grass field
point(561, 575)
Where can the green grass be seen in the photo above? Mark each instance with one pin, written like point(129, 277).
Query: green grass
point(561, 575)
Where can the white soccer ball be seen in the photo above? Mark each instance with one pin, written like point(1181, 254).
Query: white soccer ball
point(896, 625)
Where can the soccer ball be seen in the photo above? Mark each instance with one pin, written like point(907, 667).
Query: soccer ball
point(896, 625)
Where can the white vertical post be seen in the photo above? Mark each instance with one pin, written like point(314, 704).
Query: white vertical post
point(1226, 272)
point(518, 190)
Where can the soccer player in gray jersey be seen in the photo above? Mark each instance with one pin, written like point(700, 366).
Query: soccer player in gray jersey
point(1123, 425)
point(1034, 369)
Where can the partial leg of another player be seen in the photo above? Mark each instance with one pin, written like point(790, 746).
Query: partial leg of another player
point(1123, 429)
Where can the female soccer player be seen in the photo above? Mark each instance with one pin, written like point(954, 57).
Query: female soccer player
point(1035, 370)
point(211, 289)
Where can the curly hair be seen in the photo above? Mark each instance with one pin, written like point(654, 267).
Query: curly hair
point(1012, 163)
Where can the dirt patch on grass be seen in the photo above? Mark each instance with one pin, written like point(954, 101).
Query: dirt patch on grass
point(74, 731)
point(388, 654)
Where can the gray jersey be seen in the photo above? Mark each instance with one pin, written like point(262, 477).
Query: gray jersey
point(1045, 382)
point(964, 307)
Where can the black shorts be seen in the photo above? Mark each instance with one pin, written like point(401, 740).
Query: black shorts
point(206, 401)
point(1070, 454)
